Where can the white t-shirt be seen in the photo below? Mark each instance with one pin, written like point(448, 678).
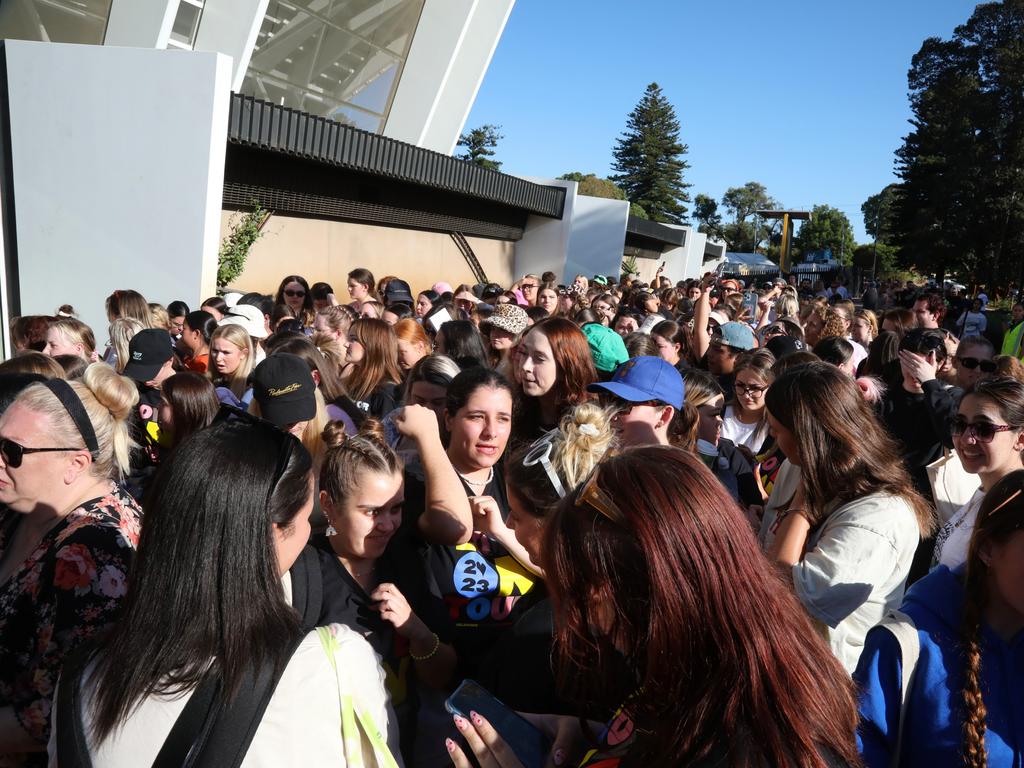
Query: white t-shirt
point(750, 435)
point(855, 568)
point(954, 537)
point(302, 723)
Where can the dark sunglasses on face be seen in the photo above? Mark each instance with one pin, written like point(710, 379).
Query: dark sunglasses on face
point(295, 294)
point(13, 452)
point(982, 431)
point(746, 389)
point(970, 363)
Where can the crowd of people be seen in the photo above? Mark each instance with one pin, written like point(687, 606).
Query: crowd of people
point(696, 524)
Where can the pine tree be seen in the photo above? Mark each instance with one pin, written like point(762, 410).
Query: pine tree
point(649, 159)
point(480, 143)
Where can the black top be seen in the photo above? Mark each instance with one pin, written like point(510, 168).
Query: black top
point(481, 584)
point(345, 602)
point(145, 457)
point(921, 422)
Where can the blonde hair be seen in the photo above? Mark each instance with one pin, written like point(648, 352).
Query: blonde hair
point(870, 318)
point(30, 361)
point(339, 319)
point(76, 332)
point(108, 399)
point(312, 435)
point(787, 305)
point(237, 382)
point(158, 317)
point(121, 332)
point(129, 305)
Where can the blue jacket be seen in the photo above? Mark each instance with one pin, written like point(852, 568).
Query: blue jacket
point(933, 733)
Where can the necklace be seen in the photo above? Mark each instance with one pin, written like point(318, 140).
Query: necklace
point(477, 483)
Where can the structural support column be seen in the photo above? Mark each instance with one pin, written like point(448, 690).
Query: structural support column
point(231, 27)
point(137, 24)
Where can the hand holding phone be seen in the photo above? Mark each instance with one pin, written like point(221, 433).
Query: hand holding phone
point(530, 746)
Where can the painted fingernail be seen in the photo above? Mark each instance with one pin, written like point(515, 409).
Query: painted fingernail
point(450, 745)
point(461, 723)
point(559, 756)
point(477, 720)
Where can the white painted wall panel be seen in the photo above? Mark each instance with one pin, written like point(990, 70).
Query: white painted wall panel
point(121, 187)
point(231, 27)
point(597, 236)
point(140, 23)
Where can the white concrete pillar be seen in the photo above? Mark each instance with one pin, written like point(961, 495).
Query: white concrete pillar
point(140, 23)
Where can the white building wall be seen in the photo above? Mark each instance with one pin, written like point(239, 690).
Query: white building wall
point(121, 187)
point(231, 27)
point(450, 53)
point(140, 23)
point(545, 241)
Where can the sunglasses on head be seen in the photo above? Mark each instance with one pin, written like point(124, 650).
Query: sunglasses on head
point(540, 453)
point(13, 453)
point(982, 431)
point(970, 363)
point(294, 294)
point(592, 495)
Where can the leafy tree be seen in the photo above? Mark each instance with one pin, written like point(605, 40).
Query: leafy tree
point(244, 230)
point(480, 143)
point(827, 228)
point(961, 202)
point(878, 213)
point(744, 232)
point(594, 186)
point(649, 160)
point(709, 220)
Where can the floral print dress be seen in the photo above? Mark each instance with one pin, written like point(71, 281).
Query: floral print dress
point(68, 589)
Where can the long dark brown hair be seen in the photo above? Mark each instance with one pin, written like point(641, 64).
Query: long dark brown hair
point(845, 453)
point(1001, 513)
point(714, 641)
point(193, 401)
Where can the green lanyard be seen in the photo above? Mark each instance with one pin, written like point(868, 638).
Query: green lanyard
point(355, 723)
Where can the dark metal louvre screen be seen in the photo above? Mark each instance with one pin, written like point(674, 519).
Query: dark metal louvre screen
point(286, 201)
point(257, 123)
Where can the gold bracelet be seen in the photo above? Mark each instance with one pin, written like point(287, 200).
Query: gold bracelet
point(437, 644)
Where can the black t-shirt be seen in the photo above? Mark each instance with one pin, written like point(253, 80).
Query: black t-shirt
point(481, 584)
point(142, 427)
point(345, 602)
point(381, 401)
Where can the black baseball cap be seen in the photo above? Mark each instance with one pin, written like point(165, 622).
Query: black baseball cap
point(284, 388)
point(782, 346)
point(148, 350)
point(398, 292)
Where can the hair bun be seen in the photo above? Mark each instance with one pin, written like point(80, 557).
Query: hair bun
point(114, 392)
point(373, 430)
point(334, 434)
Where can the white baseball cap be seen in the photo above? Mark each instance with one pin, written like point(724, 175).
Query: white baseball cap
point(249, 317)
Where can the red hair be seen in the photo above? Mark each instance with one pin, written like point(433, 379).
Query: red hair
point(713, 641)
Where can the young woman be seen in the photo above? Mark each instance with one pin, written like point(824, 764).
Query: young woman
point(647, 403)
point(371, 308)
point(68, 532)
point(176, 312)
point(233, 357)
point(673, 340)
point(504, 328)
point(899, 321)
point(837, 351)
point(195, 338)
point(479, 568)
point(425, 302)
point(961, 707)
point(294, 297)
point(373, 377)
point(717, 675)
point(553, 370)
point(129, 305)
point(188, 403)
point(864, 328)
point(727, 463)
point(813, 320)
point(121, 332)
point(988, 434)
point(413, 343)
point(299, 409)
point(338, 406)
point(461, 341)
point(231, 535)
point(68, 336)
point(854, 519)
point(335, 321)
point(374, 578)
point(972, 321)
point(361, 287)
point(216, 306)
point(745, 420)
point(547, 298)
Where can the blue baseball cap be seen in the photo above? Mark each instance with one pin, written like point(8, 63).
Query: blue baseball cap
point(736, 335)
point(645, 378)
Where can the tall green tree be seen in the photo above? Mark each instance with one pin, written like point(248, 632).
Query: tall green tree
point(878, 213)
point(829, 228)
point(744, 231)
point(649, 162)
point(961, 202)
point(480, 144)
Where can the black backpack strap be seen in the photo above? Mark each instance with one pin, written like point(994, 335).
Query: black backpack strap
point(307, 588)
point(72, 748)
point(191, 729)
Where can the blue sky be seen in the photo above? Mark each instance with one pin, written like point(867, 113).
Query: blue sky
point(809, 98)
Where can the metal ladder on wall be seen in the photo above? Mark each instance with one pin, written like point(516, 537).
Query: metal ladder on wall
point(467, 253)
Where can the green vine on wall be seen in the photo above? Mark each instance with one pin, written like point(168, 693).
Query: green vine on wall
point(243, 233)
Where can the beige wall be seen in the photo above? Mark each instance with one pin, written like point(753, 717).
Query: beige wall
point(322, 250)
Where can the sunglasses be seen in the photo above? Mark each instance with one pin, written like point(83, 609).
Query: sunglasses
point(13, 453)
point(540, 453)
point(295, 294)
point(527, 287)
point(982, 431)
point(746, 389)
point(970, 363)
point(594, 497)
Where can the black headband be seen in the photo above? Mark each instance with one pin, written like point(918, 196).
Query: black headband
point(73, 405)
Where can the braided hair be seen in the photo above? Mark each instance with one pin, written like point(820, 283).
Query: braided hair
point(1001, 513)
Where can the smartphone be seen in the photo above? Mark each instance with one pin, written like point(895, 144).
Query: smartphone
point(750, 302)
point(527, 742)
point(438, 319)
